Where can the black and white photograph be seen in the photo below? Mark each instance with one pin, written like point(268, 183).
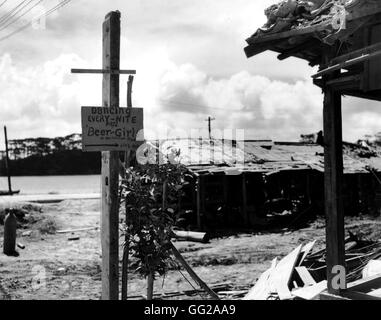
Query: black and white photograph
point(192, 157)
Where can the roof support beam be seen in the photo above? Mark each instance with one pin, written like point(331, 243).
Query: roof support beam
point(309, 44)
point(333, 183)
point(348, 63)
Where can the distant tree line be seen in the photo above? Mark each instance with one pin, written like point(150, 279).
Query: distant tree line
point(46, 156)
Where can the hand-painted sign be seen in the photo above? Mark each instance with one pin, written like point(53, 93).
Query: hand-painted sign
point(111, 129)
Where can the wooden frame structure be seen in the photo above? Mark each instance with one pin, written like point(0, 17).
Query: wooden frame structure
point(350, 64)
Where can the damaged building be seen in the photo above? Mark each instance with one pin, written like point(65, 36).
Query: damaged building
point(253, 183)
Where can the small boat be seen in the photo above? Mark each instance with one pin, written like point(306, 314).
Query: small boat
point(8, 192)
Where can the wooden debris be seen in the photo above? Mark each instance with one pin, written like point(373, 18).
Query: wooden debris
point(191, 236)
point(373, 268)
point(375, 293)
point(306, 277)
point(73, 239)
point(366, 285)
point(194, 276)
point(306, 251)
point(261, 290)
point(281, 276)
point(310, 292)
point(76, 230)
point(21, 246)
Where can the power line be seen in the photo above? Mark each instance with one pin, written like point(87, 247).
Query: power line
point(6, 16)
point(191, 104)
point(3, 3)
point(22, 6)
point(46, 14)
point(2, 26)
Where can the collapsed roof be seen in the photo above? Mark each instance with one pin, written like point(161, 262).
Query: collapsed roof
point(304, 28)
point(206, 157)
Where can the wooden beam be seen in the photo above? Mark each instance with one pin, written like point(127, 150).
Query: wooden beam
point(365, 285)
point(110, 164)
point(356, 53)
point(351, 81)
point(103, 71)
point(333, 182)
point(376, 96)
point(327, 296)
point(309, 44)
point(360, 296)
point(194, 276)
point(346, 64)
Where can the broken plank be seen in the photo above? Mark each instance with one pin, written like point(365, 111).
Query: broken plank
point(193, 275)
point(281, 276)
point(261, 289)
point(310, 292)
point(327, 296)
point(365, 285)
point(375, 293)
point(305, 275)
point(306, 250)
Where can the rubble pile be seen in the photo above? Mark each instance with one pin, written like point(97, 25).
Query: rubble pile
point(302, 273)
point(298, 14)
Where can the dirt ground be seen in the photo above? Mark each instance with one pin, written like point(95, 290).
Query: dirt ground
point(52, 267)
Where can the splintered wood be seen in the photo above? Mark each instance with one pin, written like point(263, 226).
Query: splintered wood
point(300, 275)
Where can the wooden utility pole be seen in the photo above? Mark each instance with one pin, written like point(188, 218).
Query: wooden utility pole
point(7, 167)
point(110, 164)
point(210, 119)
point(110, 159)
point(333, 182)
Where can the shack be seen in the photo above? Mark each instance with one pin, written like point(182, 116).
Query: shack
point(258, 184)
point(343, 38)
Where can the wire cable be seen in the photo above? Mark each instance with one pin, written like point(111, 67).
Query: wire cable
point(3, 3)
point(2, 26)
point(46, 14)
point(6, 16)
point(191, 104)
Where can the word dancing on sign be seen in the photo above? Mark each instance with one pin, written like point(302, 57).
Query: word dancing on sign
point(111, 129)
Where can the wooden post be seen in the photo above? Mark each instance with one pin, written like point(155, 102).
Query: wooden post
point(150, 281)
point(333, 181)
point(127, 163)
point(199, 202)
point(110, 164)
point(129, 91)
point(244, 201)
point(7, 166)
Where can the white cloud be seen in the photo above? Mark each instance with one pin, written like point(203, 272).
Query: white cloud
point(188, 52)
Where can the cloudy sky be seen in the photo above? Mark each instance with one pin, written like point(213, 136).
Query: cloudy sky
point(190, 64)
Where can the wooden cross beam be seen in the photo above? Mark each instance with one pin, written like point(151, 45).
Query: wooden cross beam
point(103, 71)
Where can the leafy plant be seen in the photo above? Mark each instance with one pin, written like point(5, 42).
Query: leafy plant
point(152, 195)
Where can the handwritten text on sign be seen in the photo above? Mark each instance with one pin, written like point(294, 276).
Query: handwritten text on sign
point(111, 129)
